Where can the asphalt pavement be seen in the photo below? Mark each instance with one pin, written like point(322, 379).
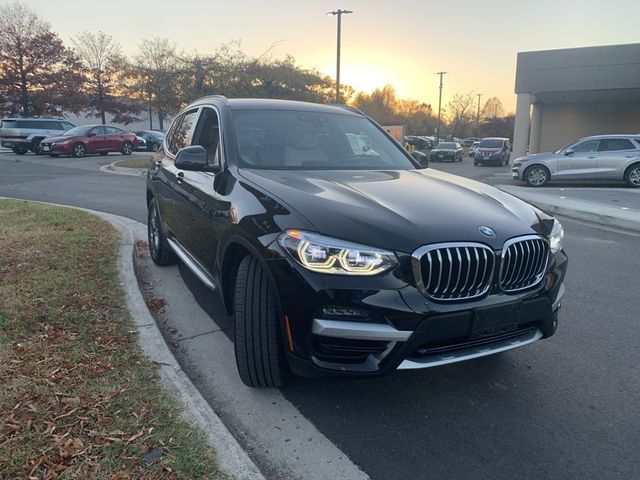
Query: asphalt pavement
point(566, 407)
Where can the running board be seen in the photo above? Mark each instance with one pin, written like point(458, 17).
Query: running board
point(192, 264)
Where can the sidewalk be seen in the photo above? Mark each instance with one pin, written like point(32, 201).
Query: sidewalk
point(613, 207)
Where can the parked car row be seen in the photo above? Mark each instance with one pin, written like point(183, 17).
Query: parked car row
point(57, 137)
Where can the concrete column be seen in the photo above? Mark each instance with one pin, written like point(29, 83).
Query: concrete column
point(536, 128)
point(522, 125)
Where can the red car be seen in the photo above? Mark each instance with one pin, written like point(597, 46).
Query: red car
point(80, 141)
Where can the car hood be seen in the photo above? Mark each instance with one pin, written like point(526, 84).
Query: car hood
point(537, 156)
point(400, 210)
point(59, 138)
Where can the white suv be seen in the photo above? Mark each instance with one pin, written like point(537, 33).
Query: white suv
point(23, 134)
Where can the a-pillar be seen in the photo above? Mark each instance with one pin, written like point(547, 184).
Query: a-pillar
point(536, 127)
point(522, 125)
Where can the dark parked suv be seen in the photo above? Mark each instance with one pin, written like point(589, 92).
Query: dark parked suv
point(341, 262)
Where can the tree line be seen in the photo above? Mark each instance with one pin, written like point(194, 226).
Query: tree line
point(40, 75)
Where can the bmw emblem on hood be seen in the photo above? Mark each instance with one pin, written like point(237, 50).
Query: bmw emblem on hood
point(488, 231)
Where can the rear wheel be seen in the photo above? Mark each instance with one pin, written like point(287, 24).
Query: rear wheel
point(256, 334)
point(536, 176)
point(127, 148)
point(79, 150)
point(19, 150)
point(632, 176)
point(159, 249)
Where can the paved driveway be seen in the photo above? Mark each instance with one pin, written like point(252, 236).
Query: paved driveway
point(562, 408)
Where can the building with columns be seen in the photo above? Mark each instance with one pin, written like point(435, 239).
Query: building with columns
point(563, 95)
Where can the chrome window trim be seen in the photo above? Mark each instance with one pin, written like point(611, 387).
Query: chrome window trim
point(416, 266)
point(505, 248)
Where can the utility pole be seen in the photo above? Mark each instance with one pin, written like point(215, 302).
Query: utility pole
point(338, 13)
point(478, 116)
point(439, 106)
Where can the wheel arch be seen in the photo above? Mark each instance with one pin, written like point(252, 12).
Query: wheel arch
point(234, 250)
point(535, 164)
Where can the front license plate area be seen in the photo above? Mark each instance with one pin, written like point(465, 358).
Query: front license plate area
point(496, 320)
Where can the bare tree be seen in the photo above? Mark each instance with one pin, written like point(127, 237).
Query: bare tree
point(159, 66)
point(39, 75)
point(104, 67)
point(460, 109)
point(492, 108)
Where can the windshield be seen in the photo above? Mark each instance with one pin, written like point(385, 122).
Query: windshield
point(491, 143)
point(447, 146)
point(312, 140)
point(76, 131)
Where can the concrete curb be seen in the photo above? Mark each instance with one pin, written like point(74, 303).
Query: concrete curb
point(232, 460)
point(601, 217)
point(112, 168)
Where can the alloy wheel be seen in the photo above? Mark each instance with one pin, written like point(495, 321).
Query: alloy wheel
point(127, 148)
point(634, 177)
point(154, 231)
point(537, 176)
point(79, 150)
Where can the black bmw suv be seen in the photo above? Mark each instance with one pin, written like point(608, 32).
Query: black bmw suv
point(344, 257)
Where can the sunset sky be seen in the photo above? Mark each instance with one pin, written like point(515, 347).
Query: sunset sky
point(402, 42)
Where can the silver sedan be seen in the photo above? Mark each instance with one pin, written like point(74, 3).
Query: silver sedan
point(601, 157)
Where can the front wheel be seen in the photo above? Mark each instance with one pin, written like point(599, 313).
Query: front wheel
point(19, 150)
point(536, 176)
point(256, 335)
point(79, 150)
point(159, 249)
point(127, 148)
point(36, 147)
point(632, 176)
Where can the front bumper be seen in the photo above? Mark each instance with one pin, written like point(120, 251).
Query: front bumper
point(373, 326)
point(56, 149)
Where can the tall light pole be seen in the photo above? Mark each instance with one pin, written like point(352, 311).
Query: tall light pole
point(478, 116)
point(338, 13)
point(439, 106)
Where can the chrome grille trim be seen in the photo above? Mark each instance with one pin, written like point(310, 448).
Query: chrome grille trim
point(524, 263)
point(455, 271)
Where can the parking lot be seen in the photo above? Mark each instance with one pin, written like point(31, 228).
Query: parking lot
point(561, 408)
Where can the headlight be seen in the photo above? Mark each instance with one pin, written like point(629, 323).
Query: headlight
point(556, 237)
point(328, 255)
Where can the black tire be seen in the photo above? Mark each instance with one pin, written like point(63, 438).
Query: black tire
point(632, 176)
point(159, 249)
point(19, 150)
point(154, 147)
point(256, 335)
point(475, 164)
point(536, 176)
point(36, 147)
point(78, 150)
point(127, 148)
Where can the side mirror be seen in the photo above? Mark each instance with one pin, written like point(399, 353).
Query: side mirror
point(568, 152)
point(91, 134)
point(194, 158)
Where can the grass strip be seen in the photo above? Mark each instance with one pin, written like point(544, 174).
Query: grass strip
point(77, 397)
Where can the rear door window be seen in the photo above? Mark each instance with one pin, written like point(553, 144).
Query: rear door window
point(615, 144)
